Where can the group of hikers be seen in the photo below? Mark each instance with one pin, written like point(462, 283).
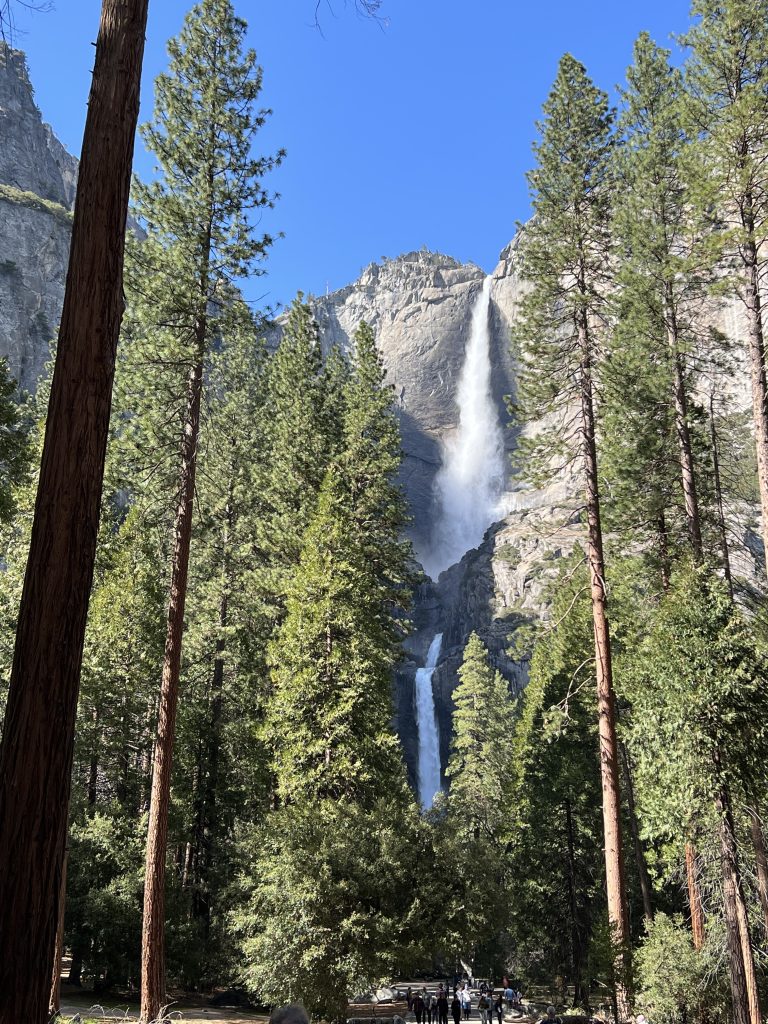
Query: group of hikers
point(433, 1007)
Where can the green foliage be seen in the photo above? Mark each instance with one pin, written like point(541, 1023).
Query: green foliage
point(14, 446)
point(331, 911)
point(564, 256)
point(558, 896)
point(330, 711)
point(696, 683)
point(674, 981)
point(481, 745)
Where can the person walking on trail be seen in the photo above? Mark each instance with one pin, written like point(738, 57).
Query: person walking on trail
point(409, 998)
point(509, 995)
point(483, 1006)
point(498, 1007)
point(466, 1002)
point(442, 1006)
point(430, 1006)
point(456, 1008)
point(552, 1017)
point(418, 1007)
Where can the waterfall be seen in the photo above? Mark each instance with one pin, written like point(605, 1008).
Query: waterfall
point(470, 481)
point(426, 722)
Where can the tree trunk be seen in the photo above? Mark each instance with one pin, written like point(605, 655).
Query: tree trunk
point(753, 302)
point(606, 701)
point(580, 992)
point(642, 867)
point(761, 861)
point(207, 810)
point(153, 929)
point(662, 543)
point(694, 897)
point(746, 1009)
point(37, 748)
point(682, 429)
point(54, 1002)
point(719, 498)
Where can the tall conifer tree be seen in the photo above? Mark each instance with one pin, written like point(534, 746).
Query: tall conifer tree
point(201, 235)
point(727, 78)
point(565, 256)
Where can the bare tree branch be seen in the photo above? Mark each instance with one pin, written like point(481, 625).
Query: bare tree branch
point(7, 17)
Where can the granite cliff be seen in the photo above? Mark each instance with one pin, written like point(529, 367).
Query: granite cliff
point(38, 178)
point(420, 306)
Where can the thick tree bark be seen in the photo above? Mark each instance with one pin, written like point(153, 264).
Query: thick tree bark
point(618, 916)
point(746, 1009)
point(682, 429)
point(694, 896)
point(153, 928)
point(761, 861)
point(753, 302)
point(36, 753)
point(642, 868)
point(54, 1002)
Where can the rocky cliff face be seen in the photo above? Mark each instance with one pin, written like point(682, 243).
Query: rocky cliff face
point(37, 191)
point(420, 306)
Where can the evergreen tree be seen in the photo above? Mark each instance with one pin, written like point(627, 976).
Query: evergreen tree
point(200, 237)
point(481, 746)
point(329, 713)
point(477, 827)
point(565, 256)
point(555, 789)
point(699, 737)
point(662, 260)
point(726, 77)
point(301, 435)
point(369, 467)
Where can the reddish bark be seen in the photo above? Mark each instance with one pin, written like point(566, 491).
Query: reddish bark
point(606, 701)
point(694, 897)
point(153, 928)
point(36, 753)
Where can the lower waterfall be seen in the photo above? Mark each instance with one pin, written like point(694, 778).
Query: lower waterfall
point(426, 721)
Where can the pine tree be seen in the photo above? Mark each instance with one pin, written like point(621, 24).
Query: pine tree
point(301, 435)
point(200, 237)
point(329, 714)
point(726, 76)
point(565, 256)
point(481, 745)
point(663, 259)
point(370, 465)
point(699, 735)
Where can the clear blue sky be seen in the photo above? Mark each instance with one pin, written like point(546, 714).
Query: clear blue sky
point(415, 134)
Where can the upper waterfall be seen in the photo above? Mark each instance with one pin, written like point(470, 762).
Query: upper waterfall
point(471, 479)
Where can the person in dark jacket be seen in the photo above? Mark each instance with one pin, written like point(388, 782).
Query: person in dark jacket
point(456, 1008)
point(498, 1007)
point(442, 1006)
point(418, 1007)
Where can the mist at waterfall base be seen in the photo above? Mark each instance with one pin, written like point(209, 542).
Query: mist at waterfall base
point(468, 489)
point(470, 481)
point(426, 721)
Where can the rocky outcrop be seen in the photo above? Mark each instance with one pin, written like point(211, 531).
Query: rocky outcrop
point(420, 306)
point(37, 192)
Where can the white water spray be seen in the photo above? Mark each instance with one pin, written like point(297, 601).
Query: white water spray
point(426, 721)
point(470, 481)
